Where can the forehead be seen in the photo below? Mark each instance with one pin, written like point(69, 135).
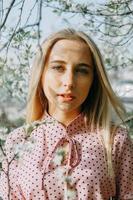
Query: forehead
point(70, 49)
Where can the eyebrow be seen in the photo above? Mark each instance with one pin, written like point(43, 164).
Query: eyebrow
point(78, 65)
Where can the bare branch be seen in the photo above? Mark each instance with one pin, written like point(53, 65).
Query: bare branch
point(117, 35)
point(117, 3)
point(26, 26)
point(15, 5)
point(121, 43)
point(6, 16)
point(31, 10)
point(39, 21)
point(16, 32)
point(39, 17)
point(129, 118)
point(2, 10)
point(128, 7)
point(2, 150)
point(7, 44)
point(88, 12)
point(121, 65)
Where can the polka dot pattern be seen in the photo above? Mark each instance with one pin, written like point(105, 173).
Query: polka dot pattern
point(34, 177)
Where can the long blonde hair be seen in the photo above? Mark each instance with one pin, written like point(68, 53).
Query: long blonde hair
point(101, 99)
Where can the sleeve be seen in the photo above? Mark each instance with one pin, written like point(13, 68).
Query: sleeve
point(124, 161)
point(8, 175)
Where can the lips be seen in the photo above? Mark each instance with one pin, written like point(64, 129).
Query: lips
point(67, 96)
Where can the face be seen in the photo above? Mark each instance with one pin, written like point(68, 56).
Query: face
point(67, 76)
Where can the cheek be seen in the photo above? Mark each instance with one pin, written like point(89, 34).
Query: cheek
point(49, 85)
point(84, 88)
point(47, 80)
point(85, 85)
point(51, 80)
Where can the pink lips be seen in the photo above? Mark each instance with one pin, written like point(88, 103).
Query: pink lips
point(66, 97)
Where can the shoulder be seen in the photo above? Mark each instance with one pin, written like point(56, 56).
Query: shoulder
point(121, 133)
point(23, 132)
point(18, 137)
point(122, 138)
point(15, 137)
point(16, 134)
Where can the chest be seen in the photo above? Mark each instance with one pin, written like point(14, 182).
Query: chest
point(87, 176)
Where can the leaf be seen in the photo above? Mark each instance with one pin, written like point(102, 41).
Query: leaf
point(108, 60)
point(2, 142)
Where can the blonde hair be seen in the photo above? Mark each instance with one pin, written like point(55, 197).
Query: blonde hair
point(101, 99)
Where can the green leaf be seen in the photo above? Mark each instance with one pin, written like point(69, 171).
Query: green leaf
point(2, 142)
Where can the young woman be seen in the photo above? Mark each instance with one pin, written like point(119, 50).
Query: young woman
point(71, 148)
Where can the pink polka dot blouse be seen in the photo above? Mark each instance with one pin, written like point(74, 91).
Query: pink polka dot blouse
point(65, 163)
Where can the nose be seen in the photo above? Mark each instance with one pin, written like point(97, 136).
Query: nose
point(68, 80)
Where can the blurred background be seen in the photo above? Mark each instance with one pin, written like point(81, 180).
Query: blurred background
point(25, 23)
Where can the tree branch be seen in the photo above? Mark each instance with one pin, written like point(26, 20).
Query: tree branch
point(39, 22)
point(117, 3)
point(129, 118)
point(14, 32)
point(88, 12)
point(2, 150)
point(8, 11)
point(2, 10)
point(31, 10)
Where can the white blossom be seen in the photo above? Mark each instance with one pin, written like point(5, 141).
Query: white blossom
point(18, 149)
point(1, 156)
point(1, 82)
point(61, 174)
point(24, 146)
point(70, 194)
point(3, 131)
point(29, 145)
point(58, 159)
point(67, 179)
point(60, 153)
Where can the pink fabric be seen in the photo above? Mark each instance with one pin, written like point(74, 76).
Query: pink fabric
point(35, 177)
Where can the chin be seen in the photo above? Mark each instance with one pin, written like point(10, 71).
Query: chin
point(69, 109)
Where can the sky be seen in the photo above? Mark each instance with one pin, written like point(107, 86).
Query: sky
point(50, 21)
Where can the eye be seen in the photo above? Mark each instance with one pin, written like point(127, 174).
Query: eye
point(82, 71)
point(58, 68)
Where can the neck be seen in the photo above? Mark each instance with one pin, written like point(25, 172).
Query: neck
point(63, 117)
